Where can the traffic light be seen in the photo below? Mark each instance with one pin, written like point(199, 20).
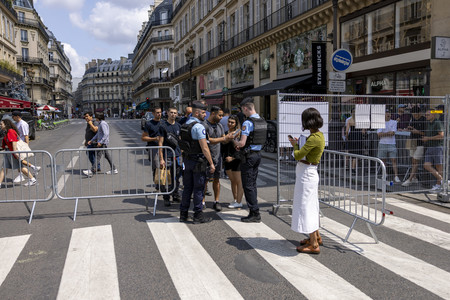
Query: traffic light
point(147, 100)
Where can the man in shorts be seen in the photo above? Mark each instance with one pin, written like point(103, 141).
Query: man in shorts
point(386, 146)
point(417, 127)
point(216, 136)
point(434, 144)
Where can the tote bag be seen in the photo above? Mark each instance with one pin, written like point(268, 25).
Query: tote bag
point(22, 146)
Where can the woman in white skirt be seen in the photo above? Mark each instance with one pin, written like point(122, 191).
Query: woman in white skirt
point(305, 213)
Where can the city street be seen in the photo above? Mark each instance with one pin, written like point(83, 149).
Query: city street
point(123, 251)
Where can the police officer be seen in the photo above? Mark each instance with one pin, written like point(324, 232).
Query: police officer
point(253, 136)
point(196, 157)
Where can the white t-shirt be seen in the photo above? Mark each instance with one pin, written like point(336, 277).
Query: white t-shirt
point(391, 125)
point(23, 128)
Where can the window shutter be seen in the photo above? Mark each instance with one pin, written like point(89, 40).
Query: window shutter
point(241, 17)
point(257, 11)
point(251, 12)
point(228, 28)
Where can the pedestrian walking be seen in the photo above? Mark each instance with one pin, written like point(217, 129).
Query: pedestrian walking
point(101, 138)
point(387, 147)
point(13, 161)
point(151, 136)
point(24, 130)
point(434, 144)
point(90, 132)
point(169, 136)
point(232, 163)
point(253, 137)
point(196, 158)
point(216, 136)
point(305, 211)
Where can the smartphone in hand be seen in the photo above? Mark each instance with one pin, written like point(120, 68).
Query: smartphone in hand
point(236, 132)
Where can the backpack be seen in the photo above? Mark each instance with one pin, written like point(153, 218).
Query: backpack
point(186, 137)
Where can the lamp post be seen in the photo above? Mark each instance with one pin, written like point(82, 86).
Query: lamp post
point(190, 54)
point(30, 73)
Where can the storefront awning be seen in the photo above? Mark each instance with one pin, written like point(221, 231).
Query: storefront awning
point(142, 106)
point(13, 103)
point(232, 91)
point(278, 85)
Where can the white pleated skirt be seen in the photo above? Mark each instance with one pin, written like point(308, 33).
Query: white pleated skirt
point(305, 211)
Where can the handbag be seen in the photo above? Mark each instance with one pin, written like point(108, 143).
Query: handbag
point(162, 176)
point(22, 146)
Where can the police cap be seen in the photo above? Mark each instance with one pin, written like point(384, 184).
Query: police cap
point(199, 105)
point(246, 100)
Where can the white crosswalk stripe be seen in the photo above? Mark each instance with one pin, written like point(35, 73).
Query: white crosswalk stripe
point(310, 277)
point(90, 267)
point(10, 249)
point(90, 271)
point(193, 264)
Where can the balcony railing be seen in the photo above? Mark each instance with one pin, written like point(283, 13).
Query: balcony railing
point(31, 60)
point(151, 81)
point(161, 39)
point(149, 42)
point(8, 5)
point(147, 30)
point(281, 16)
point(34, 23)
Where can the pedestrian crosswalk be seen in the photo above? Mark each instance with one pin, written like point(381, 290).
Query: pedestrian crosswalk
point(354, 270)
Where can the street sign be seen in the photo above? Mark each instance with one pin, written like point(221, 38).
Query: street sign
point(341, 60)
point(336, 86)
point(336, 75)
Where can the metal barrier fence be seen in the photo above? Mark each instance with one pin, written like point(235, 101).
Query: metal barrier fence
point(355, 124)
point(360, 194)
point(16, 186)
point(127, 172)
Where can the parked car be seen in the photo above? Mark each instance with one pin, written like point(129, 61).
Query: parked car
point(147, 117)
point(27, 117)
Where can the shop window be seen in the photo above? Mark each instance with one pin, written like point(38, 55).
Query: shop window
point(380, 30)
point(242, 70)
point(413, 25)
point(264, 64)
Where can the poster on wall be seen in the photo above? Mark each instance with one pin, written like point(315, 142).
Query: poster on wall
point(290, 120)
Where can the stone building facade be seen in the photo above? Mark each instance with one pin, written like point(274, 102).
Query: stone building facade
point(107, 86)
point(152, 63)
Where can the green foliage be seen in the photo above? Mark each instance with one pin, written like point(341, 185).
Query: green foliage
point(6, 65)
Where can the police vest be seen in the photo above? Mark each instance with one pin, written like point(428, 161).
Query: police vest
point(259, 134)
point(187, 143)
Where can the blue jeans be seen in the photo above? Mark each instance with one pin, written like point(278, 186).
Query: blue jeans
point(92, 158)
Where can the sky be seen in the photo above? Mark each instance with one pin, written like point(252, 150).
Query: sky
point(91, 29)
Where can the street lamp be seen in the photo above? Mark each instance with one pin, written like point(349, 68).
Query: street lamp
point(190, 54)
point(30, 73)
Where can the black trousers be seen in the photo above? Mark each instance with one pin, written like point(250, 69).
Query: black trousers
point(249, 174)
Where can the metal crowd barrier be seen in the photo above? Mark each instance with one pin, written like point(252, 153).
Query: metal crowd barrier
point(359, 192)
point(15, 191)
point(134, 174)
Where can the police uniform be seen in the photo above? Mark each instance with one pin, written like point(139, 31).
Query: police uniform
point(194, 176)
point(249, 168)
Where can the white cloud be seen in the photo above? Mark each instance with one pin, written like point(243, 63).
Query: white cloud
point(77, 62)
point(112, 23)
point(132, 3)
point(71, 5)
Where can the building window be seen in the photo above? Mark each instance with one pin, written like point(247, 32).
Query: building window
point(380, 30)
point(264, 64)
point(166, 54)
point(25, 54)
point(159, 55)
point(192, 16)
point(413, 25)
point(164, 18)
point(21, 16)
point(50, 56)
point(242, 70)
point(23, 35)
point(164, 93)
point(166, 32)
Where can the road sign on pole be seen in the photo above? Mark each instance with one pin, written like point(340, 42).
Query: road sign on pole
point(336, 75)
point(336, 86)
point(341, 60)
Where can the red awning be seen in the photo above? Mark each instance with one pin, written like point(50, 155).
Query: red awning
point(7, 104)
point(21, 103)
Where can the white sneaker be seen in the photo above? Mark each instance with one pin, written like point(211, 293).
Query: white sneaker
point(19, 178)
point(397, 180)
point(415, 180)
point(235, 205)
point(87, 173)
point(36, 170)
point(407, 183)
point(113, 172)
point(436, 187)
point(31, 182)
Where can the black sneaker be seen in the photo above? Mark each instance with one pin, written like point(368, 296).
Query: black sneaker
point(167, 202)
point(184, 217)
point(217, 206)
point(208, 193)
point(253, 217)
point(200, 218)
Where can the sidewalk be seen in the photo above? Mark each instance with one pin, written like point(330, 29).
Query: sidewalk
point(425, 197)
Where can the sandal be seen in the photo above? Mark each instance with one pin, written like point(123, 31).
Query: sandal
point(309, 249)
point(306, 241)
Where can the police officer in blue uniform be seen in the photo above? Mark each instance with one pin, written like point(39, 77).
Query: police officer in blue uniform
point(253, 136)
point(197, 158)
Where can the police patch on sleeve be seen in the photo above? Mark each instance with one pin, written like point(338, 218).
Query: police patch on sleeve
point(244, 128)
point(204, 131)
